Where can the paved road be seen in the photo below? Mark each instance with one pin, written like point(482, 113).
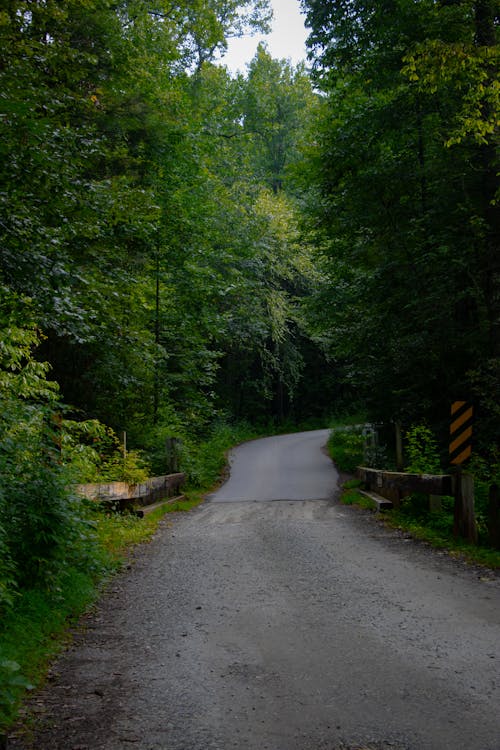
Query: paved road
point(291, 625)
point(291, 467)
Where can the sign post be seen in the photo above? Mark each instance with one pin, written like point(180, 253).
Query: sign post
point(460, 450)
point(460, 432)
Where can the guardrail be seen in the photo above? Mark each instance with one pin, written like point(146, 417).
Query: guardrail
point(141, 498)
point(393, 486)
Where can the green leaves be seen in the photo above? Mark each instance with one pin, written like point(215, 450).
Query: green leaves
point(12, 683)
point(422, 451)
point(437, 67)
point(405, 196)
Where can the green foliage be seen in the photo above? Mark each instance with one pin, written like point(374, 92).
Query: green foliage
point(12, 683)
point(43, 528)
point(423, 458)
point(486, 472)
point(32, 633)
point(422, 451)
point(205, 461)
point(435, 64)
point(278, 103)
point(403, 195)
point(351, 495)
point(346, 447)
point(119, 533)
point(92, 453)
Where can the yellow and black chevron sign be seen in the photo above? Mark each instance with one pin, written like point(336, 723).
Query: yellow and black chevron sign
point(460, 432)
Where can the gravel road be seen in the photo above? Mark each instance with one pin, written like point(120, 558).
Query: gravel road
point(282, 623)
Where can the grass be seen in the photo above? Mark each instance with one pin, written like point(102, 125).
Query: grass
point(119, 533)
point(34, 631)
point(352, 496)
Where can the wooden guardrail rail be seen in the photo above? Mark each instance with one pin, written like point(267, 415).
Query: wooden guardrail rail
point(140, 498)
point(393, 486)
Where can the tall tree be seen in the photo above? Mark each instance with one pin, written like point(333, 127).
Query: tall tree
point(407, 230)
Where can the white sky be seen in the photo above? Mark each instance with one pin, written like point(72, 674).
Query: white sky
point(287, 39)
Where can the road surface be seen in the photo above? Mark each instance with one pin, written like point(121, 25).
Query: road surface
point(290, 467)
point(272, 617)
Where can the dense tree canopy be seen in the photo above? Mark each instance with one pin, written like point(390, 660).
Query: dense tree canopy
point(407, 165)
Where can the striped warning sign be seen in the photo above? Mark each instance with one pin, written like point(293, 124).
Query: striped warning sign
point(460, 432)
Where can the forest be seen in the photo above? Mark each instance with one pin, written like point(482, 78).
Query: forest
point(184, 249)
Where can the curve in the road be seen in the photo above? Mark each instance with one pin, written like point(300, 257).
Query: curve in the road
point(283, 467)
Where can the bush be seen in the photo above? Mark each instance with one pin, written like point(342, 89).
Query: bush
point(486, 473)
point(346, 447)
point(422, 450)
point(12, 685)
point(205, 460)
point(41, 525)
point(92, 453)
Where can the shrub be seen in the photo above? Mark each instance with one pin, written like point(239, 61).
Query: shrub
point(40, 522)
point(92, 453)
point(346, 447)
point(204, 461)
point(422, 450)
point(12, 684)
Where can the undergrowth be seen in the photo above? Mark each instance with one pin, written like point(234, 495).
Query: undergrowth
point(346, 447)
point(34, 630)
point(353, 497)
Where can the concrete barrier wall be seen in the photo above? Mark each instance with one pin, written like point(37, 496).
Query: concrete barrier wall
point(144, 493)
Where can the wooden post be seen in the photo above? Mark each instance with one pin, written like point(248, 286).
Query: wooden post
point(399, 446)
point(457, 508)
point(464, 517)
point(494, 516)
point(172, 449)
